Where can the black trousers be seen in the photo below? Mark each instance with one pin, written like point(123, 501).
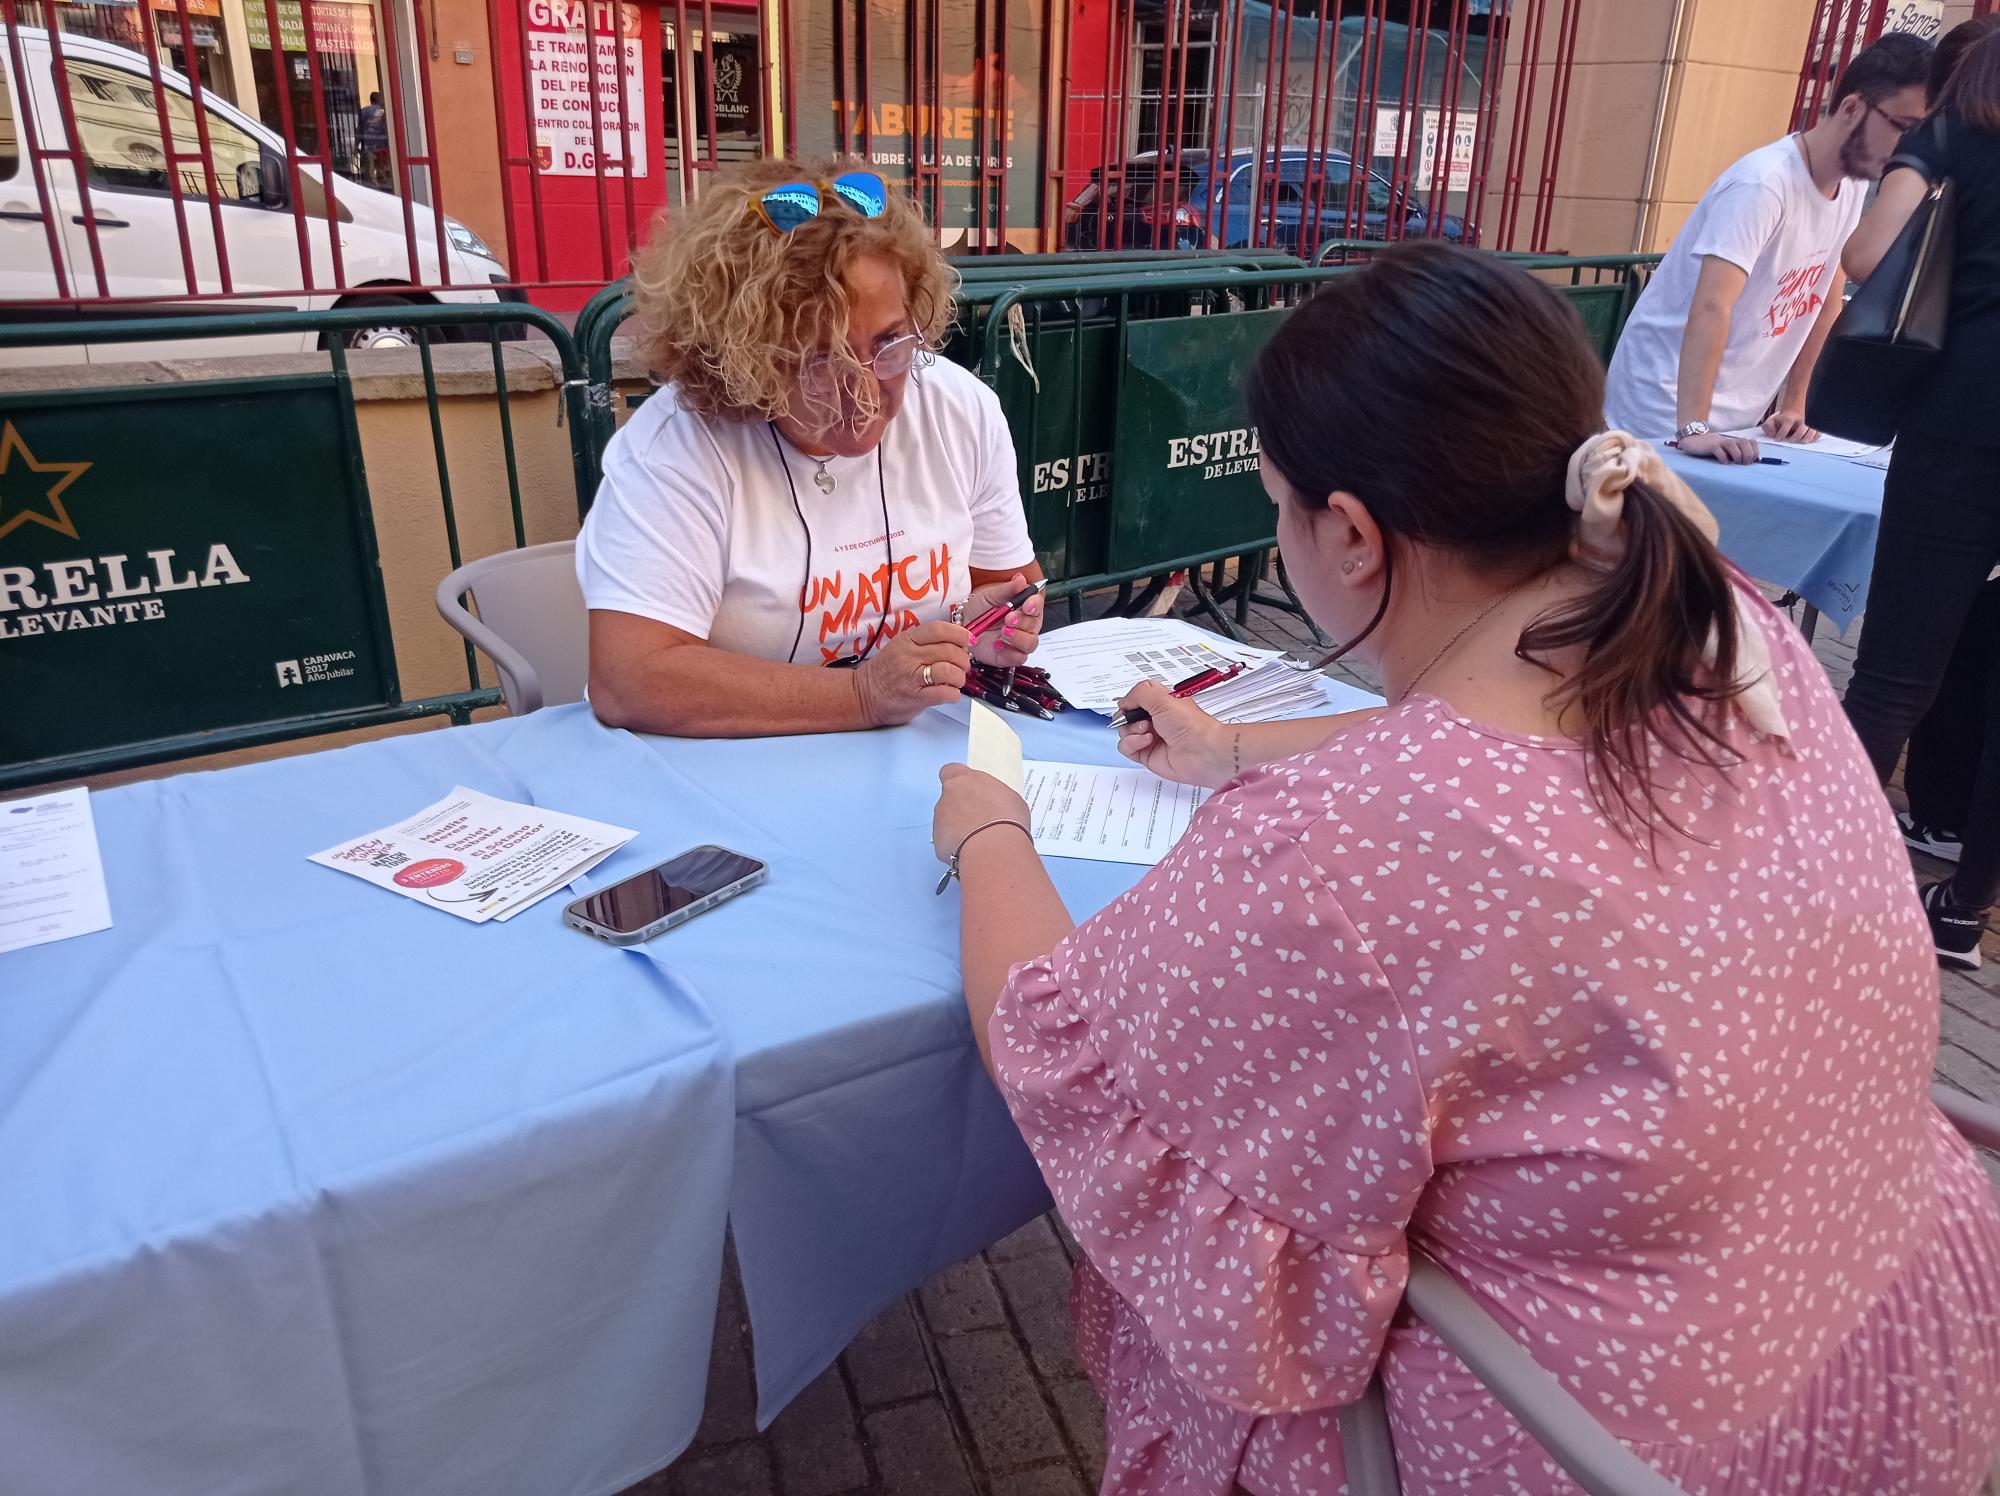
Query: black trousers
point(1942, 761)
point(1940, 538)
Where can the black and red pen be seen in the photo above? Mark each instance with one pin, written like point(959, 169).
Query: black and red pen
point(1200, 681)
point(999, 611)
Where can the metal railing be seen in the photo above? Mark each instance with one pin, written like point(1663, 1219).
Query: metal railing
point(1839, 29)
point(274, 494)
point(299, 151)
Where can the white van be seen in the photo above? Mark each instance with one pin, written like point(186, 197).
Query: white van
point(118, 123)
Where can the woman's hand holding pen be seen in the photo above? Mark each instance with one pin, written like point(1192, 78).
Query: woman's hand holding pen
point(1010, 640)
point(1176, 739)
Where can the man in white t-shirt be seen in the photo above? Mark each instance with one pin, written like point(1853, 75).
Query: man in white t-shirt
point(1737, 311)
point(792, 532)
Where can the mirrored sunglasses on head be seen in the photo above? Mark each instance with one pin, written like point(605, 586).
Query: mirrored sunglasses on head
point(787, 207)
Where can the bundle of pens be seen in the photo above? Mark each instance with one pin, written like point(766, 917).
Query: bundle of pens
point(1018, 688)
point(1013, 688)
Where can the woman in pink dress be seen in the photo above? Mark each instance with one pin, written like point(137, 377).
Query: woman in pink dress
point(1589, 966)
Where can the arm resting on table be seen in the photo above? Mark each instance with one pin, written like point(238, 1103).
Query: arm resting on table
point(652, 677)
point(1707, 334)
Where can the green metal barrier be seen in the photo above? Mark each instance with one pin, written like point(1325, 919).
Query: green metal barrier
point(983, 270)
point(1602, 288)
point(258, 612)
point(1135, 457)
point(1089, 404)
point(982, 278)
point(596, 325)
point(1605, 298)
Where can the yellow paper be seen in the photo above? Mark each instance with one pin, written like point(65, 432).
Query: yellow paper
point(992, 747)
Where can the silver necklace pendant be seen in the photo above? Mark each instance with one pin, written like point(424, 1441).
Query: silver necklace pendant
point(824, 481)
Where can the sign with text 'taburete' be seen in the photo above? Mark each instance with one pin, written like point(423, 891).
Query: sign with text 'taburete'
point(974, 101)
point(152, 586)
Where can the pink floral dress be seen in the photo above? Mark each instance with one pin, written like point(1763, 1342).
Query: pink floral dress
point(1669, 1122)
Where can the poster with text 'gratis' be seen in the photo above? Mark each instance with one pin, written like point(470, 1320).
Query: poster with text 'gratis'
point(569, 125)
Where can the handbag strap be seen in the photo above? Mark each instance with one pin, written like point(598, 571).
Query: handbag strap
point(1920, 166)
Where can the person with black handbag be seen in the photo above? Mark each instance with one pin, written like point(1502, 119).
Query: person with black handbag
point(1928, 255)
point(1942, 759)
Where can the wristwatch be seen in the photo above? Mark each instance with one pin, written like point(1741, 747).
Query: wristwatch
point(1693, 428)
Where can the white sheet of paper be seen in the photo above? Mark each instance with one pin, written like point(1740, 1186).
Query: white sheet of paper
point(51, 871)
point(992, 747)
point(1826, 446)
point(1094, 664)
point(1104, 814)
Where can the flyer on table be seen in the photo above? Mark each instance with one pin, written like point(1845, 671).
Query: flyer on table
point(477, 857)
point(51, 873)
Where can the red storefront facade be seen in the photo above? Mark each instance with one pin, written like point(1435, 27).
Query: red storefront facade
point(597, 132)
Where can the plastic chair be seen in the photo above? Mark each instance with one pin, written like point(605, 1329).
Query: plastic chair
point(1566, 1430)
point(531, 622)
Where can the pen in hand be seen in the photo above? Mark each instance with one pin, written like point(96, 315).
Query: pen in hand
point(1200, 681)
point(999, 611)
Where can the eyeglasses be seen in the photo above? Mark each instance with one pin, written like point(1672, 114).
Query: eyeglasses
point(795, 203)
point(1901, 126)
point(818, 380)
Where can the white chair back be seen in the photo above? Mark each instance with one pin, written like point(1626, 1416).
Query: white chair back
point(531, 621)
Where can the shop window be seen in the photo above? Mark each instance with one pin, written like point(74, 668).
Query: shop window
point(350, 76)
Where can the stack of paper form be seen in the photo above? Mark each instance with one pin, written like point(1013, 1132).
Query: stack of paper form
point(1276, 691)
point(1096, 664)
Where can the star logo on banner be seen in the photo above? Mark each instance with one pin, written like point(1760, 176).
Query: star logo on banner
point(15, 476)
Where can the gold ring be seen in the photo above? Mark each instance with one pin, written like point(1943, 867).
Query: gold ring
point(927, 676)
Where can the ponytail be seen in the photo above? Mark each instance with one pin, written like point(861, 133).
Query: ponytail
point(1455, 395)
point(1658, 636)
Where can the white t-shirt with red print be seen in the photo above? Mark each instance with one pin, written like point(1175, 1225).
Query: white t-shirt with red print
point(696, 524)
point(1766, 216)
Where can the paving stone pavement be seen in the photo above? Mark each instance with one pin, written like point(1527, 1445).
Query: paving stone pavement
point(971, 1387)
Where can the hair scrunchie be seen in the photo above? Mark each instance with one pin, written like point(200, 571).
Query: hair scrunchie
point(1600, 471)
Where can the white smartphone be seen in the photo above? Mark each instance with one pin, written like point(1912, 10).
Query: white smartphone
point(641, 906)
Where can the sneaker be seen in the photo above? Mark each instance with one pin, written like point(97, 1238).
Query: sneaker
point(1955, 932)
point(1932, 839)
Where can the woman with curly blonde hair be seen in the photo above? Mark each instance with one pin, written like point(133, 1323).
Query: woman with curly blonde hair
point(812, 487)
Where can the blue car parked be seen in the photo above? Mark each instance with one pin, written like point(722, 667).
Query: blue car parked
point(1198, 212)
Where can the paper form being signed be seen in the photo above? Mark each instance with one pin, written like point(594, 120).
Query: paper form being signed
point(1106, 814)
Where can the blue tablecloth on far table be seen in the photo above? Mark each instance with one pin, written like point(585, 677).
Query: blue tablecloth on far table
point(304, 1186)
point(1809, 525)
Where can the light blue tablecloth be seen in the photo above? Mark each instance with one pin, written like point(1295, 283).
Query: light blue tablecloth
point(307, 1187)
point(871, 1149)
point(1809, 525)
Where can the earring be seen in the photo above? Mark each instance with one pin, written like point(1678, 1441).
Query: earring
point(1347, 567)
